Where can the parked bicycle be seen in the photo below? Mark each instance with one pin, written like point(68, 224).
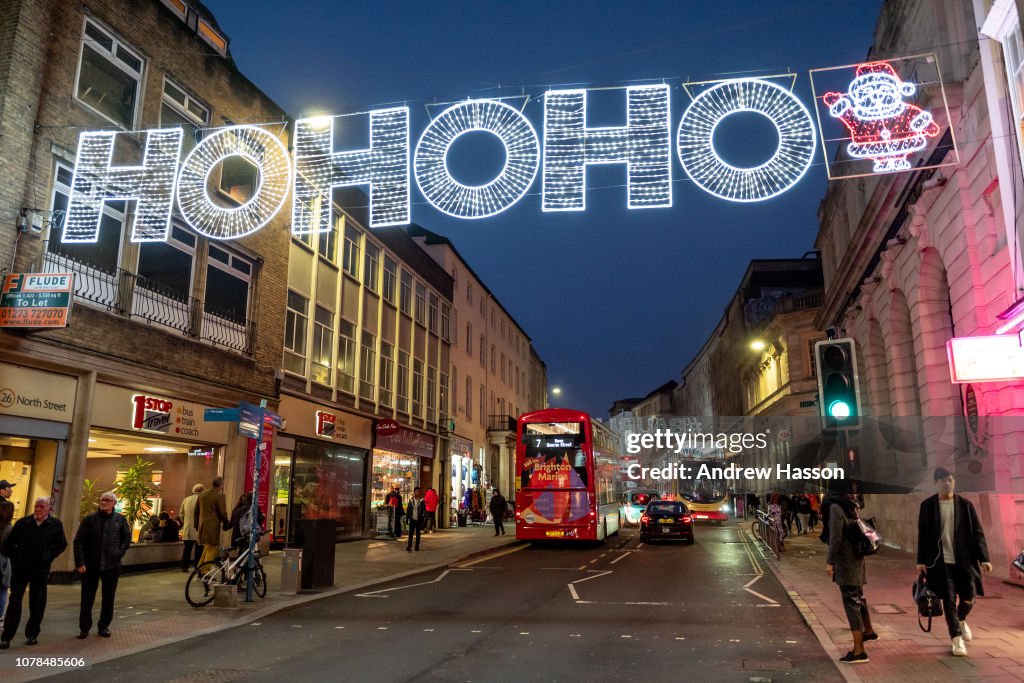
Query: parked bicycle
point(199, 589)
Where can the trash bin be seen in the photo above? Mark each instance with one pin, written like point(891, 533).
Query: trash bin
point(291, 570)
point(318, 542)
point(462, 518)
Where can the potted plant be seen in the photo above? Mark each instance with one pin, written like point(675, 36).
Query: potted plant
point(90, 498)
point(134, 489)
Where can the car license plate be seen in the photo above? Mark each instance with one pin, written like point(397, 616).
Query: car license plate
point(554, 533)
point(665, 530)
point(666, 521)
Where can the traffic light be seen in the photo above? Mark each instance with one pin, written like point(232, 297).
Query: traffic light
point(838, 387)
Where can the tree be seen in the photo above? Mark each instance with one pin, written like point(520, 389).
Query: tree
point(90, 498)
point(135, 488)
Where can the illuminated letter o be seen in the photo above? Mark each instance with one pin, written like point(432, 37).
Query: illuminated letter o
point(270, 157)
point(792, 158)
point(522, 158)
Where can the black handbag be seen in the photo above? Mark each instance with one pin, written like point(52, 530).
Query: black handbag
point(862, 536)
point(928, 603)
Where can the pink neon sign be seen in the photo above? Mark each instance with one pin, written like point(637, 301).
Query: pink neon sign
point(985, 359)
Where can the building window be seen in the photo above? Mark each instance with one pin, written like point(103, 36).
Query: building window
point(372, 260)
point(405, 293)
point(296, 316)
point(327, 242)
point(228, 278)
point(516, 375)
point(502, 367)
point(417, 387)
point(455, 389)
point(469, 339)
point(387, 366)
point(443, 399)
point(432, 395)
point(421, 304)
point(165, 268)
point(104, 254)
point(367, 366)
point(469, 397)
point(482, 405)
point(509, 375)
point(403, 381)
point(109, 76)
point(812, 363)
point(180, 110)
point(469, 293)
point(483, 352)
point(432, 314)
point(494, 361)
point(320, 355)
point(347, 357)
point(390, 277)
point(446, 322)
point(350, 258)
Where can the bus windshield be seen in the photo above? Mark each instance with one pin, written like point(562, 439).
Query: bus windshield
point(704, 491)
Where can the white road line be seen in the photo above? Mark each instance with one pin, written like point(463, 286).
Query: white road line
point(582, 566)
point(373, 594)
point(747, 588)
point(565, 569)
point(594, 576)
point(572, 590)
point(620, 557)
point(491, 557)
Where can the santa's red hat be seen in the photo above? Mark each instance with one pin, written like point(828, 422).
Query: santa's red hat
point(877, 68)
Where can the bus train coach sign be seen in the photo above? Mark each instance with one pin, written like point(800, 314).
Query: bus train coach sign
point(36, 299)
point(879, 117)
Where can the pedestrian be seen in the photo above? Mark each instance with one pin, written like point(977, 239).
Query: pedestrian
point(498, 507)
point(190, 529)
point(213, 515)
point(169, 529)
point(32, 544)
point(101, 541)
point(432, 500)
point(240, 525)
point(803, 513)
point(815, 509)
point(417, 514)
point(952, 552)
point(394, 499)
point(786, 507)
point(6, 519)
point(847, 571)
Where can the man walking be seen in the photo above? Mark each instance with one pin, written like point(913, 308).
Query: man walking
point(394, 499)
point(951, 550)
point(32, 544)
point(102, 540)
point(6, 519)
point(416, 513)
point(498, 506)
point(190, 528)
point(213, 515)
point(431, 499)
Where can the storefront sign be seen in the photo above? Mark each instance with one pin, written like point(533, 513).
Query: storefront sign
point(36, 299)
point(36, 394)
point(397, 439)
point(305, 418)
point(151, 414)
point(993, 358)
point(560, 155)
point(120, 408)
point(461, 447)
point(326, 425)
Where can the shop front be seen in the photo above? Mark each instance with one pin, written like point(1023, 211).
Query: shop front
point(320, 466)
point(402, 457)
point(36, 411)
point(466, 476)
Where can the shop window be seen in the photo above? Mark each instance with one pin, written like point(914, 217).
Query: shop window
point(432, 313)
point(387, 363)
point(405, 293)
point(393, 469)
point(178, 109)
point(403, 382)
point(328, 483)
point(421, 304)
point(109, 76)
point(350, 257)
point(327, 244)
point(323, 337)
point(390, 279)
point(417, 388)
point(370, 264)
point(368, 366)
point(432, 395)
point(347, 357)
point(296, 316)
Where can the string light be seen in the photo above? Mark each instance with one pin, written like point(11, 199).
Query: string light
point(700, 159)
point(522, 156)
point(643, 144)
point(96, 181)
point(384, 166)
point(270, 157)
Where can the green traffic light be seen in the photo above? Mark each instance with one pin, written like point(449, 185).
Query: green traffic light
point(839, 409)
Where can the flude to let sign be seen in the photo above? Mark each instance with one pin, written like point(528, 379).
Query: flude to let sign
point(36, 299)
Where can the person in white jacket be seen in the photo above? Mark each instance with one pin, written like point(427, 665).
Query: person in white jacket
point(190, 529)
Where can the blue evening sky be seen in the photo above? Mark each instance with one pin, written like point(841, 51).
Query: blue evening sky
point(617, 302)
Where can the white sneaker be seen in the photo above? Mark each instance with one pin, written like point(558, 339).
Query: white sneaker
point(966, 631)
point(959, 649)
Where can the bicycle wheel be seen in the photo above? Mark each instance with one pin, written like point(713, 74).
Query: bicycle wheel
point(259, 581)
point(199, 588)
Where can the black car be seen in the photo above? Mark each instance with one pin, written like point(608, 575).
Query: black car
point(666, 519)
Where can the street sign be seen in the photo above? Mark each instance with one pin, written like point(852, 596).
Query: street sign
point(36, 299)
point(250, 420)
point(221, 414)
point(808, 404)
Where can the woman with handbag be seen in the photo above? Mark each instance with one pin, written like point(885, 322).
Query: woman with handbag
point(846, 569)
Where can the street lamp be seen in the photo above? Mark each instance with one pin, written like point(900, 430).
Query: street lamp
point(757, 345)
point(556, 391)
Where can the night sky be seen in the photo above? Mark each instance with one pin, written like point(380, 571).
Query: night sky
point(617, 302)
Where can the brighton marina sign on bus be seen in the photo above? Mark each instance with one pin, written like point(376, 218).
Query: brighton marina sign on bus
point(882, 123)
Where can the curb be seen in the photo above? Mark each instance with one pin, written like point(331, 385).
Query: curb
point(269, 610)
point(824, 639)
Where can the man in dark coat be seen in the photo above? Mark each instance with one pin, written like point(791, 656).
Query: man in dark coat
point(498, 507)
point(32, 545)
point(848, 572)
point(212, 511)
point(102, 540)
point(951, 550)
point(417, 516)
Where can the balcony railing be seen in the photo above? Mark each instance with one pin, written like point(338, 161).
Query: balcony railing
point(140, 298)
point(763, 311)
point(501, 423)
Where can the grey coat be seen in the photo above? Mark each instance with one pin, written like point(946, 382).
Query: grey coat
point(848, 569)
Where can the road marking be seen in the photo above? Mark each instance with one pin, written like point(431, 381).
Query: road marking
point(582, 566)
point(476, 631)
point(625, 636)
point(377, 545)
point(492, 556)
point(566, 569)
point(680, 637)
point(620, 557)
point(373, 594)
point(524, 633)
point(337, 627)
point(574, 635)
point(594, 576)
point(572, 591)
point(747, 588)
point(382, 628)
point(428, 630)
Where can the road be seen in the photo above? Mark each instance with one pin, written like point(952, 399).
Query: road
point(620, 611)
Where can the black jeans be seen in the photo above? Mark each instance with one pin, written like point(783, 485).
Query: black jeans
point(855, 606)
point(36, 585)
point(499, 527)
point(191, 553)
point(90, 581)
point(958, 583)
point(414, 528)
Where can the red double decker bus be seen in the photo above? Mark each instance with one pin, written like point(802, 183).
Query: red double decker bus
point(567, 466)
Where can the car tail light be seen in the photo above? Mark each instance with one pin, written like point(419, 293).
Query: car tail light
point(645, 519)
point(686, 520)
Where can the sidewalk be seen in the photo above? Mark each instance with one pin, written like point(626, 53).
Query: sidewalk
point(151, 610)
point(904, 653)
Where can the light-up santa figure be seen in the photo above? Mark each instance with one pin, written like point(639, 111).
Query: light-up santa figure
point(882, 126)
